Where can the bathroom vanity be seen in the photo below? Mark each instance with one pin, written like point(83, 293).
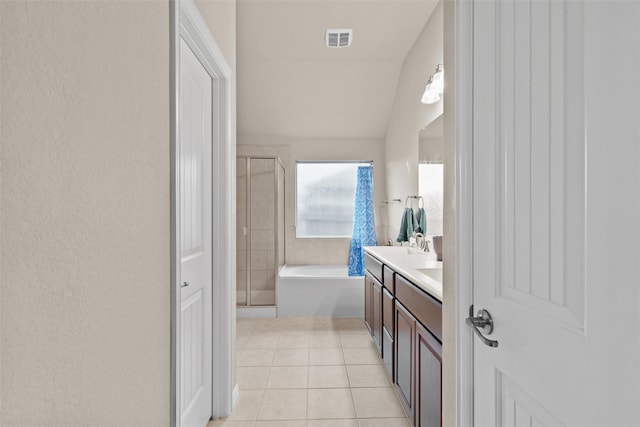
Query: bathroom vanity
point(403, 312)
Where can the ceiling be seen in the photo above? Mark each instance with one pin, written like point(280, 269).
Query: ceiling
point(290, 84)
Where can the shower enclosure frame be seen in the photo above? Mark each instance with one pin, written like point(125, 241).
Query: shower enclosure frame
point(279, 198)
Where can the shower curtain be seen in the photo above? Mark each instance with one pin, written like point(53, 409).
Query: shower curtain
point(364, 229)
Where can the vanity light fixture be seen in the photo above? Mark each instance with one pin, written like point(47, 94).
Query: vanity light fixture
point(434, 87)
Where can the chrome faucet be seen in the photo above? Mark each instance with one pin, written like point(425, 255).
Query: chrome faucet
point(421, 242)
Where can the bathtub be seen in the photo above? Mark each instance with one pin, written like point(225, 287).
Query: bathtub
point(319, 291)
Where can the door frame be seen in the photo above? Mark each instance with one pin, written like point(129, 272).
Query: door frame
point(464, 208)
point(186, 22)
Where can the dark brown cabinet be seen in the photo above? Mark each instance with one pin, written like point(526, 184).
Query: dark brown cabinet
point(388, 330)
point(405, 323)
point(373, 309)
point(368, 303)
point(376, 301)
point(428, 355)
point(405, 348)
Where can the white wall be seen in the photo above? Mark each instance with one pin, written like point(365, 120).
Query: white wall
point(409, 116)
point(434, 46)
point(85, 213)
point(320, 251)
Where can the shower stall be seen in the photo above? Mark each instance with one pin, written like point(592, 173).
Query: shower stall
point(260, 229)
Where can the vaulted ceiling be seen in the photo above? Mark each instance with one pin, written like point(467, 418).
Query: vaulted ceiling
point(290, 84)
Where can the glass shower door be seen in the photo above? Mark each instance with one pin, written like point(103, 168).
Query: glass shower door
point(262, 237)
point(242, 232)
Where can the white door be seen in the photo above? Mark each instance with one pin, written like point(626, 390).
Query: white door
point(194, 188)
point(556, 252)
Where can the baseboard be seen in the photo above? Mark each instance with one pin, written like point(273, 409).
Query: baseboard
point(256, 312)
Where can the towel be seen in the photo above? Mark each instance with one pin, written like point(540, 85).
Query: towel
point(407, 226)
point(421, 220)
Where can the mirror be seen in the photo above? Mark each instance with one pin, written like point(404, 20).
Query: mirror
point(431, 175)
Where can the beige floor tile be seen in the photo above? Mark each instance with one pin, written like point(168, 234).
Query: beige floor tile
point(255, 357)
point(351, 326)
point(325, 340)
point(377, 403)
point(262, 342)
point(330, 403)
point(288, 377)
point(243, 330)
point(293, 341)
point(326, 356)
point(266, 327)
point(248, 405)
point(368, 376)
point(332, 423)
point(252, 377)
point(281, 423)
point(283, 405)
point(328, 377)
point(323, 325)
point(361, 356)
point(226, 423)
point(291, 357)
point(384, 422)
point(241, 341)
point(356, 340)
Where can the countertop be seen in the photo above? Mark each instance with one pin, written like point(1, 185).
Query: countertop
point(408, 262)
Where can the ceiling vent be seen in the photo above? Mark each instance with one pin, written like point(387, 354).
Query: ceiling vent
point(338, 38)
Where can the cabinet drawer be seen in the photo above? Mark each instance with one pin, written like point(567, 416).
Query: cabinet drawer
point(389, 279)
point(373, 266)
point(426, 309)
point(387, 311)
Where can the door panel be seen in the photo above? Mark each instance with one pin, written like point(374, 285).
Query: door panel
point(194, 187)
point(377, 315)
point(556, 168)
point(429, 379)
point(540, 156)
point(404, 342)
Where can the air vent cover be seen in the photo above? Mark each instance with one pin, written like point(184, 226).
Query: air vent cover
point(338, 38)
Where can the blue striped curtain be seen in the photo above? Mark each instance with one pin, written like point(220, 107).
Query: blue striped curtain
point(364, 228)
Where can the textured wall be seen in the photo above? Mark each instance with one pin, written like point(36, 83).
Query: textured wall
point(409, 116)
point(321, 251)
point(85, 213)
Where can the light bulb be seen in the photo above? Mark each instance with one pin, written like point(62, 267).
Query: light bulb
point(430, 96)
point(438, 79)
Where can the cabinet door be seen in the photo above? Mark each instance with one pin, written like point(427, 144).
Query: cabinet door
point(387, 352)
point(404, 369)
point(377, 315)
point(387, 311)
point(428, 360)
point(368, 306)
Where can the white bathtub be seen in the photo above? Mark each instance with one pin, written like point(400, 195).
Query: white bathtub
point(319, 291)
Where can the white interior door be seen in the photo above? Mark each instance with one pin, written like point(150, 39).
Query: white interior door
point(556, 252)
point(194, 188)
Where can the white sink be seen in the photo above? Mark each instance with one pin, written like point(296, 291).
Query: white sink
point(433, 273)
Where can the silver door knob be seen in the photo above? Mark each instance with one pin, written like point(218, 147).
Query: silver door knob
point(482, 323)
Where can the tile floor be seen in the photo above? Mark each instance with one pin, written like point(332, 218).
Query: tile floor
point(310, 372)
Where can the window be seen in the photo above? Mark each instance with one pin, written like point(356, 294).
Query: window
point(431, 188)
point(325, 196)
